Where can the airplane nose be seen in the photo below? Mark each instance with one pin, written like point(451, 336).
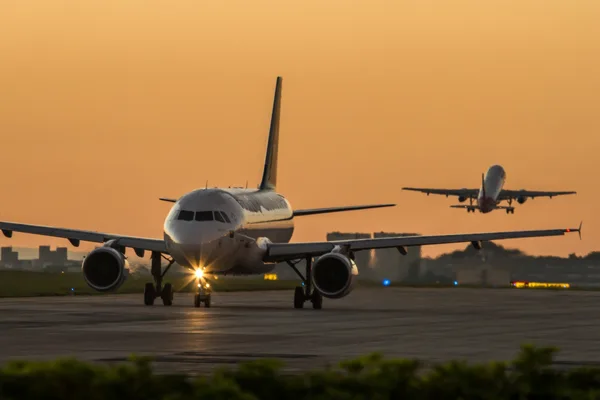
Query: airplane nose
point(200, 255)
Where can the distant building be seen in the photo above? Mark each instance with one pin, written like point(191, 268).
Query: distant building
point(391, 264)
point(9, 258)
point(483, 275)
point(57, 257)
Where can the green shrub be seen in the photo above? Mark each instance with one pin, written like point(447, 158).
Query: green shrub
point(530, 375)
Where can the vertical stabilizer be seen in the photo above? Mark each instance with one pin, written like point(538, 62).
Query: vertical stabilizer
point(269, 178)
point(483, 185)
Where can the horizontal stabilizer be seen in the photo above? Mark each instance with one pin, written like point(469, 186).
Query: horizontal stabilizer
point(314, 211)
point(167, 199)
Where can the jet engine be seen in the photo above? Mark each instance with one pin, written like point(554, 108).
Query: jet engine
point(105, 269)
point(462, 198)
point(521, 199)
point(334, 275)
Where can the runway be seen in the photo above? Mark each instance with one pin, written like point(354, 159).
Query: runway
point(430, 324)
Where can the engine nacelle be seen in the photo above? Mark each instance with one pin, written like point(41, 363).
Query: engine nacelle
point(105, 269)
point(462, 199)
point(521, 199)
point(334, 275)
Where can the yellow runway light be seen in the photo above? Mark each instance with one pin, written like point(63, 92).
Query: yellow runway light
point(543, 285)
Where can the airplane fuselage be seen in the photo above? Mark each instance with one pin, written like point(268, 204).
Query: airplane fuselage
point(491, 187)
point(225, 231)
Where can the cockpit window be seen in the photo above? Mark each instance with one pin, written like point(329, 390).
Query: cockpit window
point(204, 216)
point(185, 215)
point(218, 216)
point(226, 217)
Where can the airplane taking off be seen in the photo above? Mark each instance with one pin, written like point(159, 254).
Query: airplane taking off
point(243, 232)
point(490, 194)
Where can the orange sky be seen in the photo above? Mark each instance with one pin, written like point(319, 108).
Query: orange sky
point(105, 105)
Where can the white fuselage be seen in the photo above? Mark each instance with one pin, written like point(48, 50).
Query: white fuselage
point(198, 235)
point(491, 187)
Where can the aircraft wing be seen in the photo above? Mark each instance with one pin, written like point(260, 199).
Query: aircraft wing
point(313, 211)
point(513, 194)
point(75, 236)
point(277, 252)
point(446, 192)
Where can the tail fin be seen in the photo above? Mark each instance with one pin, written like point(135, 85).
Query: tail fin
point(483, 184)
point(269, 178)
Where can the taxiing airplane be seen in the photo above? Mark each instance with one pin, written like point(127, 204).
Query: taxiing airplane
point(240, 232)
point(490, 194)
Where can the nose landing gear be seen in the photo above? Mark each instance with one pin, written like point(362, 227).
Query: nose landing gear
point(202, 295)
point(153, 291)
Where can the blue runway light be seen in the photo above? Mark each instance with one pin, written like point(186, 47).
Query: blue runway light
point(455, 283)
point(386, 282)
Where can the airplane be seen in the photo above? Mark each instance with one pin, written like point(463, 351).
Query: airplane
point(241, 231)
point(490, 194)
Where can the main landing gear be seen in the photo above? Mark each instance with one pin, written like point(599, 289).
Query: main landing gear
point(153, 291)
point(509, 209)
point(306, 293)
point(471, 207)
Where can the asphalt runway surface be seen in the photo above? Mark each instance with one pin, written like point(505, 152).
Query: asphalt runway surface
point(429, 324)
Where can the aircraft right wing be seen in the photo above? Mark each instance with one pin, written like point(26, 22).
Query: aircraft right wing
point(278, 252)
point(328, 210)
point(76, 235)
point(446, 192)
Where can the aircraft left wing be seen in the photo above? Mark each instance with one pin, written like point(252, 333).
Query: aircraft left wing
point(75, 236)
point(277, 252)
point(513, 194)
point(447, 192)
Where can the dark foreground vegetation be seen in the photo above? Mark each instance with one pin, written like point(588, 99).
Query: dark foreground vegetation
point(27, 283)
point(529, 376)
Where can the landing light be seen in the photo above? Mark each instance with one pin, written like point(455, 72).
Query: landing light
point(199, 273)
point(386, 282)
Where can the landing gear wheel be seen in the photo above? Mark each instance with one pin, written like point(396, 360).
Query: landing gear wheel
point(149, 294)
point(207, 301)
point(152, 291)
point(196, 300)
point(317, 300)
point(167, 295)
point(299, 297)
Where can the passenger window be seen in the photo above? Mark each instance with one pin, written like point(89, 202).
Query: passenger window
point(218, 217)
point(185, 215)
point(226, 217)
point(204, 216)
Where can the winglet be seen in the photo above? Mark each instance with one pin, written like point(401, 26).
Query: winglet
point(578, 230)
